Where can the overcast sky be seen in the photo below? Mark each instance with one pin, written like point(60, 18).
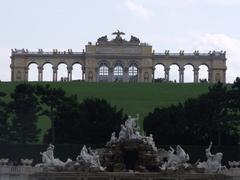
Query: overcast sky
point(165, 24)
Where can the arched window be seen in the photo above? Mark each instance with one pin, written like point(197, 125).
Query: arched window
point(103, 70)
point(118, 71)
point(133, 72)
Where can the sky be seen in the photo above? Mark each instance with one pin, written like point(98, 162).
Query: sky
point(165, 24)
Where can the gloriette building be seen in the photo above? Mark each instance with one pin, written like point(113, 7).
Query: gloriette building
point(118, 60)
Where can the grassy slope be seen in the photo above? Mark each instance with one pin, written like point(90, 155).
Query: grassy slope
point(134, 98)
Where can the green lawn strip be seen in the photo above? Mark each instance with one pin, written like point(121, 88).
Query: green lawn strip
point(134, 98)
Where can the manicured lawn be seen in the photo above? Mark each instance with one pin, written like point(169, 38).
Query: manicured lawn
point(134, 98)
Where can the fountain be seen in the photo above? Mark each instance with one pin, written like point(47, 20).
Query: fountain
point(127, 155)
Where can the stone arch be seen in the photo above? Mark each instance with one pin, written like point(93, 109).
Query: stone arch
point(203, 72)
point(133, 62)
point(32, 62)
point(62, 72)
point(159, 71)
point(107, 63)
point(76, 71)
point(189, 73)
point(47, 71)
point(33, 71)
point(46, 62)
point(174, 72)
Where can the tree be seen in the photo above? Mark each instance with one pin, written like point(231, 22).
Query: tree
point(53, 98)
point(199, 121)
point(165, 124)
point(90, 122)
point(4, 125)
point(24, 109)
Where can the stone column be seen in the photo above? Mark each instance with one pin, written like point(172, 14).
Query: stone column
point(40, 73)
point(95, 74)
point(69, 69)
point(195, 72)
point(210, 75)
point(153, 71)
point(224, 76)
point(167, 73)
point(83, 73)
point(181, 75)
point(12, 73)
point(140, 75)
point(26, 73)
point(55, 68)
point(110, 74)
point(125, 74)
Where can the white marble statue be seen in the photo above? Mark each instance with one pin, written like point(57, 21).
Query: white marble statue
point(130, 129)
point(123, 134)
point(130, 124)
point(176, 159)
point(89, 159)
point(149, 140)
point(113, 139)
point(48, 159)
point(213, 162)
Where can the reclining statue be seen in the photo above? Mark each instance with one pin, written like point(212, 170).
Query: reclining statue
point(48, 159)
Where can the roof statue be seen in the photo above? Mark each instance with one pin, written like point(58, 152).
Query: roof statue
point(134, 39)
point(102, 39)
point(118, 33)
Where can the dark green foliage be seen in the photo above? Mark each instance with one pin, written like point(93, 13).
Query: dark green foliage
point(4, 125)
point(198, 121)
point(52, 98)
point(90, 122)
point(24, 109)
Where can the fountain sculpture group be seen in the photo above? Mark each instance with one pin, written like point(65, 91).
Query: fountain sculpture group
point(129, 151)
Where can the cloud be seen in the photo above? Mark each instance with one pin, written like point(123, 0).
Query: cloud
point(223, 42)
point(223, 2)
point(138, 9)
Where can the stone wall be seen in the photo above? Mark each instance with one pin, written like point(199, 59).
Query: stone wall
point(37, 173)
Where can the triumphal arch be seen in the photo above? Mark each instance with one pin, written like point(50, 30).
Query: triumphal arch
point(118, 60)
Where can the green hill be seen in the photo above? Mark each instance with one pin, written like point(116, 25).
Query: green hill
point(134, 98)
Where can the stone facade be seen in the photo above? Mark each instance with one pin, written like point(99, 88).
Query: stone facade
point(118, 60)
